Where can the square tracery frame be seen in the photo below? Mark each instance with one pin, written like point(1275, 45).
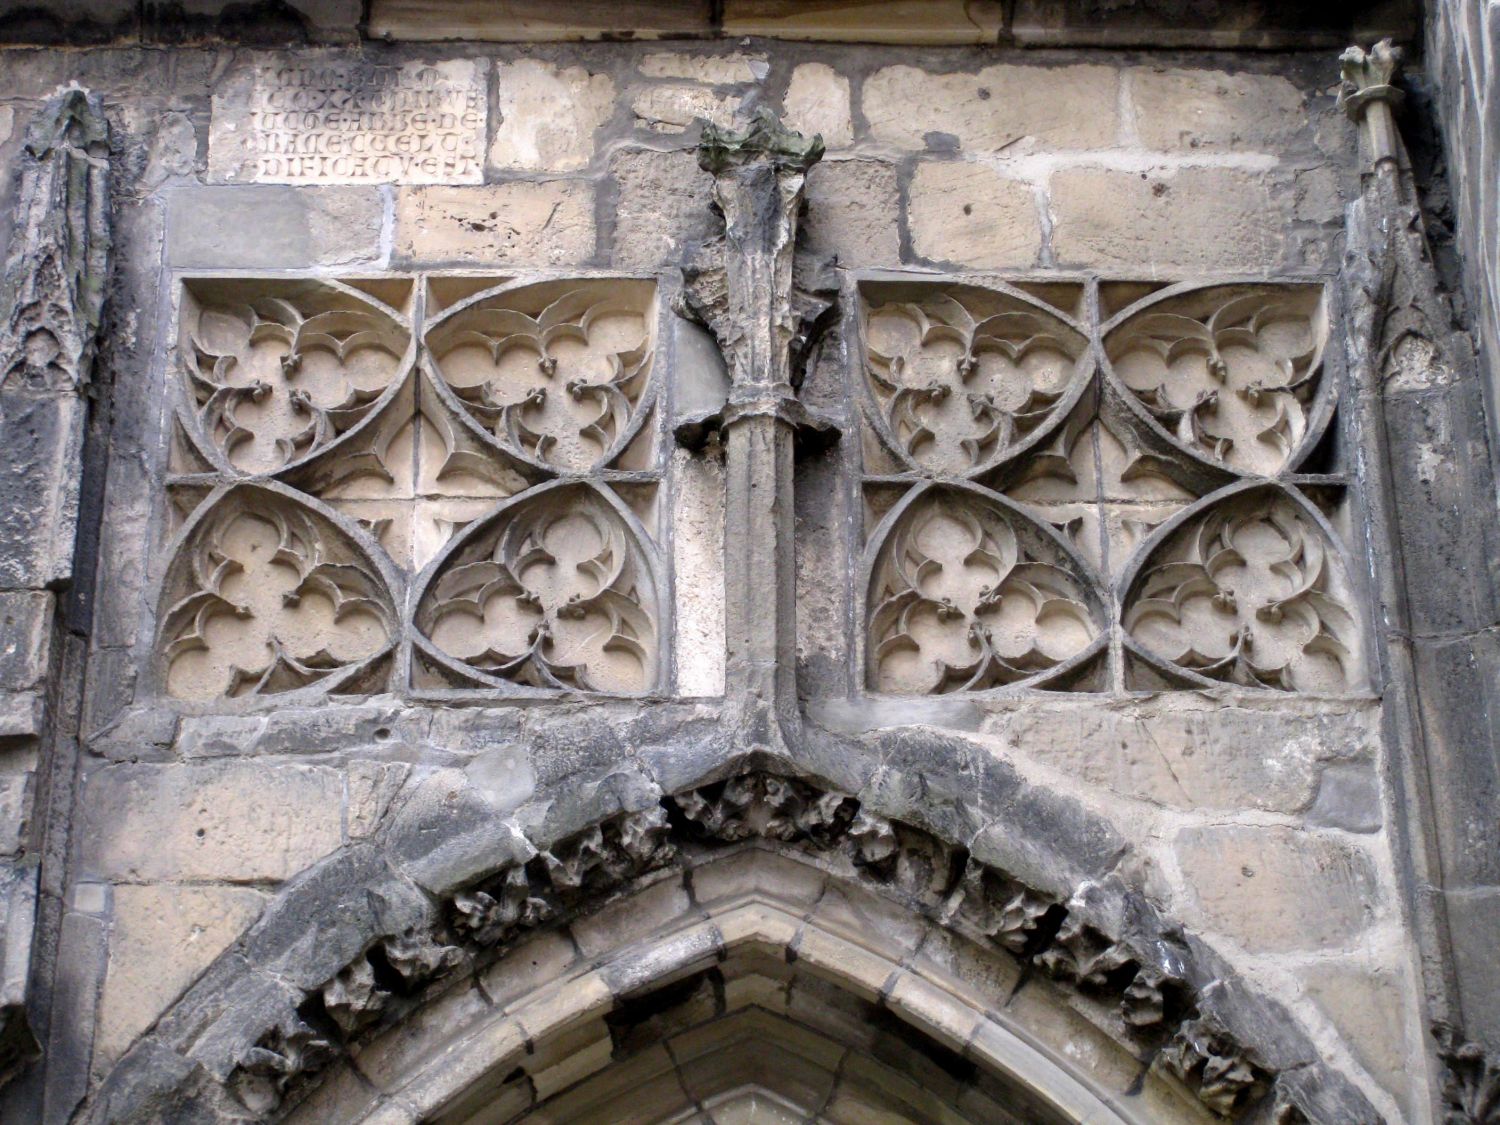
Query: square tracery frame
point(439, 484)
point(1110, 487)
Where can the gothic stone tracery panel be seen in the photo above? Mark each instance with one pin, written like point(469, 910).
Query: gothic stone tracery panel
point(1057, 480)
point(336, 441)
point(1166, 450)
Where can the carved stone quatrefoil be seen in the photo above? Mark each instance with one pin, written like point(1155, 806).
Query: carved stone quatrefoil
point(555, 591)
point(966, 593)
point(1250, 590)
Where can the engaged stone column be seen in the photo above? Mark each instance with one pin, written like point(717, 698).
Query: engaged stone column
point(1419, 402)
point(51, 299)
point(1369, 96)
point(744, 292)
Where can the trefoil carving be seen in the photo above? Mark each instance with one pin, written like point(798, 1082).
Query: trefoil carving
point(555, 593)
point(966, 595)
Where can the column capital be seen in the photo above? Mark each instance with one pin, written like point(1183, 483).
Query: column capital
point(765, 139)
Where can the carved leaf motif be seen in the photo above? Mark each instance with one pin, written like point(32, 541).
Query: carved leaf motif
point(275, 378)
point(1231, 374)
point(560, 387)
point(1206, 1058)
point(269, 600)
point(556, 595)
point(958, 390)
point(960, 601)
point(1471, 1079)
point(1250, 592)
point(263, 1072)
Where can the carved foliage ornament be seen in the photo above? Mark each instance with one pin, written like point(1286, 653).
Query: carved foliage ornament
point(1144, 980)
point(1471, 1079)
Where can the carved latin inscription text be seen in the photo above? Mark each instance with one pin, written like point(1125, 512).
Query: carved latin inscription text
point(328, 121)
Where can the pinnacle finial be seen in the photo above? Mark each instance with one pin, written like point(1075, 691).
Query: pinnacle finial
point(1369, 76)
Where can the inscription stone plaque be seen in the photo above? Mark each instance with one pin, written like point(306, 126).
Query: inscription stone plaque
point(350, 122)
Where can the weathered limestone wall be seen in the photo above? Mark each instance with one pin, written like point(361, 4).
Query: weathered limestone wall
point(1257, 819)
point(1463, 39)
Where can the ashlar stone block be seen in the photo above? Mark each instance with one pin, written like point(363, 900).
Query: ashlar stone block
point(660, 206)
point(1186, 110)
point(972, 215)
point(329, 119)
point(236, 821)
point(674, 108)
point(549, 223)
point(293, 227)
point(817, 101)
point(1375, 1008)
point(1067, 107)
point(548, 115)
point(1276, 889)
point(42, 439)
point(852, 212)
point(25, 638)
point(1167, 221)
point(1194, 757)
point(161, 939)
point(711, 70)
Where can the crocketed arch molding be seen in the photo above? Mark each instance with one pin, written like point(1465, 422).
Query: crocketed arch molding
point(787, 988)
point(997, 948)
